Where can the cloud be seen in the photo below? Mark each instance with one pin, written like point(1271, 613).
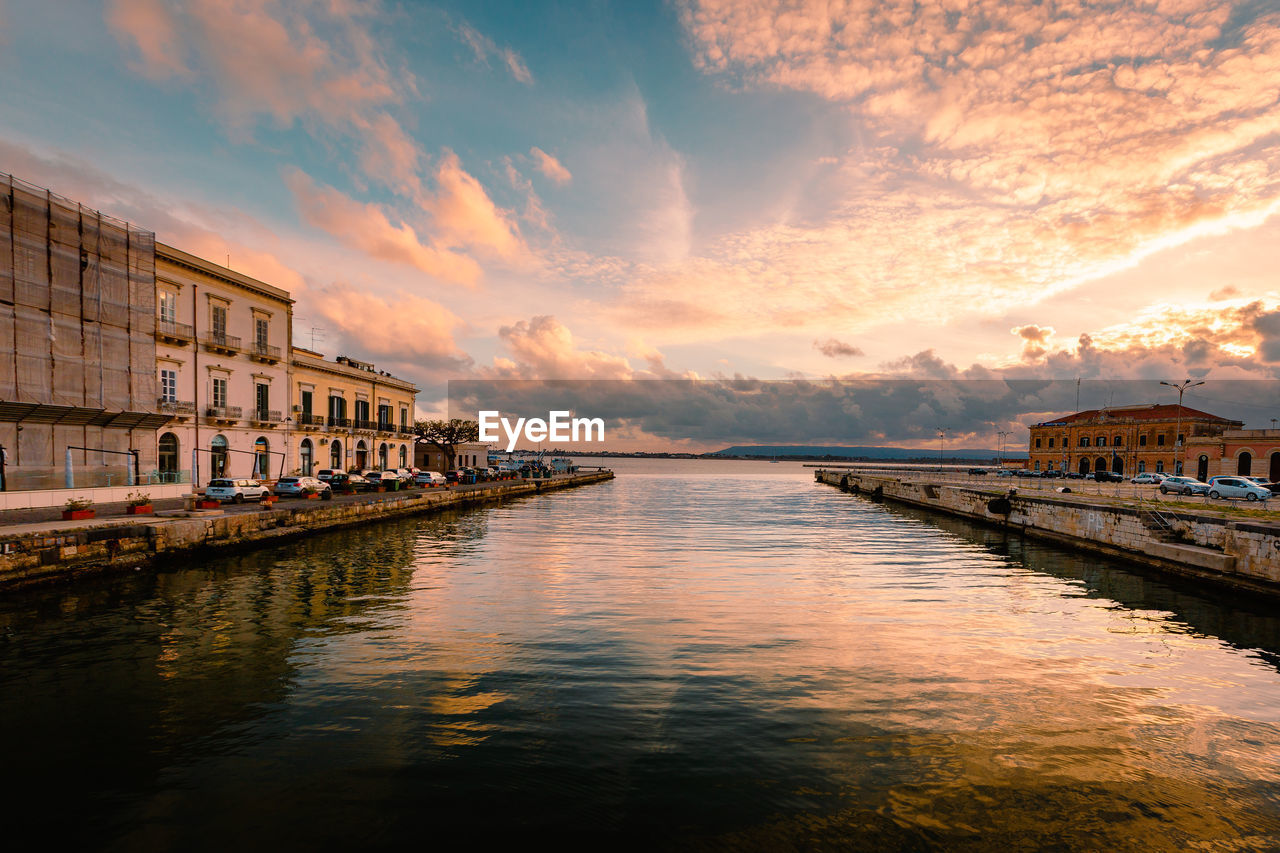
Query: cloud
point(833, 348)
point(464, 215)
point(366, 227)
point(1035, 338)
point(550, 166)
point(1229, 291)
point(484, 47)
point(314, 62)
point(404, 326)
point(544, 348)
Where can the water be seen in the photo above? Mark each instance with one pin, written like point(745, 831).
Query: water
point(697, 655)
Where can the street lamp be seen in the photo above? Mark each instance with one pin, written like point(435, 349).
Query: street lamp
point(1000, 446)
point(1177, 442)
point(942, 441)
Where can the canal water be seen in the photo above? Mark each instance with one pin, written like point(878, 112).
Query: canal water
point(697, 655)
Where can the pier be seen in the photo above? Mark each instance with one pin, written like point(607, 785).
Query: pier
point(1229, 544)
point(43, 550)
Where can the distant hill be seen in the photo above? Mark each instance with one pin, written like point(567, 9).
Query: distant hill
point(771, 450)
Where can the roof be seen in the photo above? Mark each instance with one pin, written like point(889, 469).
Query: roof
point(178, 257)
point(1154, 412)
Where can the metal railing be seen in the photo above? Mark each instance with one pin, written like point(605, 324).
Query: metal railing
point(265, 351)
point(265, 416)
point(221, 341)
point(174, 330)
point(224, 413)
point(177, 407)
point(306, 419)
point(359, 423)
point(340, 422)
point(386, 426)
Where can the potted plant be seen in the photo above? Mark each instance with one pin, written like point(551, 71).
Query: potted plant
point(76, 509)
point(311, 493)
point(269, 498)
point(138, 503)
point(208, 503)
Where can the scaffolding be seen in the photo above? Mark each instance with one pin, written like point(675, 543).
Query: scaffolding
point(77, 338)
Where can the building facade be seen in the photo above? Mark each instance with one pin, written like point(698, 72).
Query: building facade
point(348, 415)
point(1243, 452)
point(77, 345)
point(1125, 439)
point(220, 368)
point(468, 454)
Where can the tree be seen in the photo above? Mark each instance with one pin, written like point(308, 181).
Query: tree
point(445, 436)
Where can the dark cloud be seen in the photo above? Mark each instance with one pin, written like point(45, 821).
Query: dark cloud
point(833, 348)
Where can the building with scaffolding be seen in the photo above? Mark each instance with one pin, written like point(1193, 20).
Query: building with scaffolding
point(77, 343)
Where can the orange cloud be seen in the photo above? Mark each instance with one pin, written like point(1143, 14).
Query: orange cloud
point(550, 166)
point(464, 215)
point(407, 325)
point(484, 47)
point(150, 25)
point(367, 228)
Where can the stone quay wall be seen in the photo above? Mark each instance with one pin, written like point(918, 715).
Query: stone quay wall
point(61, 554)
point(1243, 553)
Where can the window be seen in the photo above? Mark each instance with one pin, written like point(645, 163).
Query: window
point(382, 456)
point(306, 456)
point(1142, 466)
point(1142, 441)
point(384, 417)
point(1084, 441)
point(1159, 467)
point(1116, 442)
point(1037, 466)
point(404, 456)
point(167, 461)
point(1160, 440)
point(260, 332)
point(262, 457)
point(219, 393)
point(1102, 441)
point(337, 406)
point(362, 410)
point(404, 418)
point(305, 404)
point(335, 454)
point(1037, 443)
point(1051, 443)
point(218, 455)
point(1181, 438)
point(167, 307)
point(262, 393)
point(169, 385)
point(218, 321)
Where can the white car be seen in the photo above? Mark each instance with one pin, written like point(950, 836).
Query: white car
point(1237, 487)
point(429, 478)
point(1148, 478)
point(236, 491)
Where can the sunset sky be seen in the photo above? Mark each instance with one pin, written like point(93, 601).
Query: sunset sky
point(692, 189)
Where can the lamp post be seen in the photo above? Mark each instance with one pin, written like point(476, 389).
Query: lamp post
point(942, 441)
point(1177, 443)
point(1000, 446)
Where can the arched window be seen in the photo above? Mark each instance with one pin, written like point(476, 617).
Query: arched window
point(1116, 441)
point(1102, 441)
point(1100, 464)
point(335, 455)
point(218, 456)
point(404, 456)
point(261, 457)
point(1084, 465)
point(1202, 468)
point(306, 457)
point(1244, 463)
point(382, 456)
point(1274, 474)
point(362, 455)
point(167, 458)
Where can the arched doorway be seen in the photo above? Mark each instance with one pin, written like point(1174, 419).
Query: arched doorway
point(382, 456)
point(1274, 474)
point(167, 458)
point(218, 456)
point(362, 455)
point(261, 457)
point(1244, 463)
point(1084, 465)
point(335, 455)
point(404, 456)
point(1202, 468)
point(1100, 464)
point(306, 457)
point(1117, 464)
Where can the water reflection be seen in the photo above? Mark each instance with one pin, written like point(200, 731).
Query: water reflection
point(668, 662)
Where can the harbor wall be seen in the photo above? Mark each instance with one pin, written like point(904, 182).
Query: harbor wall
point(63, 554)
point(1239, 553)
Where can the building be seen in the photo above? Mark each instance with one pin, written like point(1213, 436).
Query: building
point(221, 373)
point(1244, 452)
point(77, 344)
point(1124, 439)
point(468, 454)
point(347, 414)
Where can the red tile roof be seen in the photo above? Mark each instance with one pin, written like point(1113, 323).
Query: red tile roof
point(1154, 412)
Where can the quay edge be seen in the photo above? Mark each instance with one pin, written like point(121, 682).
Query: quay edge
point(1243, 555)
point(63, 555)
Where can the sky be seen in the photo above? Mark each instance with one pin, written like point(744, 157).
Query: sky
point(693, 189)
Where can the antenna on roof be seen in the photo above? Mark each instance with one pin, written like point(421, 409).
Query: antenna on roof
point(1077, 393)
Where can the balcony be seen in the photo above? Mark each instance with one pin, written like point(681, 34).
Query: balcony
point(361, 425)
point(407, 432)
point(310, 421)
point(178, 410)
point(265, 353)
point(221, 343)
point(265, 418)
point(344, 423)
point(223, 415)
point(387, 426)
point(179, 334)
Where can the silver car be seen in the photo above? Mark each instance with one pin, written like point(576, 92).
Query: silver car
point(296, 487)
point(1237, 487)
point(1183, 486)
point(236, 491)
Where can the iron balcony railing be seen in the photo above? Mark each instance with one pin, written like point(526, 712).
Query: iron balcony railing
point(386, 426)
point(406, 431)
point(221, 341)
point(365, 425)
point(266, 351)
point(177, 407)
point(339, 422)
point(306, 419)
point(224, 413)
point(265, 416)
point(170, 329)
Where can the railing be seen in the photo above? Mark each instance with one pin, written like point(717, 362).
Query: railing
point(407, 432)
point(263, 416)
point(365, 425)
point(386, 426)
point(177, 407)
point(224, 413)
point(174, 330)
point(306, 419)
point(265, 351)
point(221, 341)
point(340, 422)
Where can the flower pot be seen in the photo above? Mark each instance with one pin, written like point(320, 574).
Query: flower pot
point(312, 497)
point(138, 509)
point(268, 499)
point(210, 504)
point(78, 514)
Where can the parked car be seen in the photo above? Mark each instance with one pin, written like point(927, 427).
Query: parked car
point(1004, 472)
point(296, 487)
point(236, 491)
point(1073, 475)
point(1108, 477)
point(405, 475)
point(1274, 488)
point(429, 478)
point(977, 472)
point(341, 482)
point(325, 473)
point(1183, 486)
point(1237, 487)
point(383, 480)
point(1147, 478)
